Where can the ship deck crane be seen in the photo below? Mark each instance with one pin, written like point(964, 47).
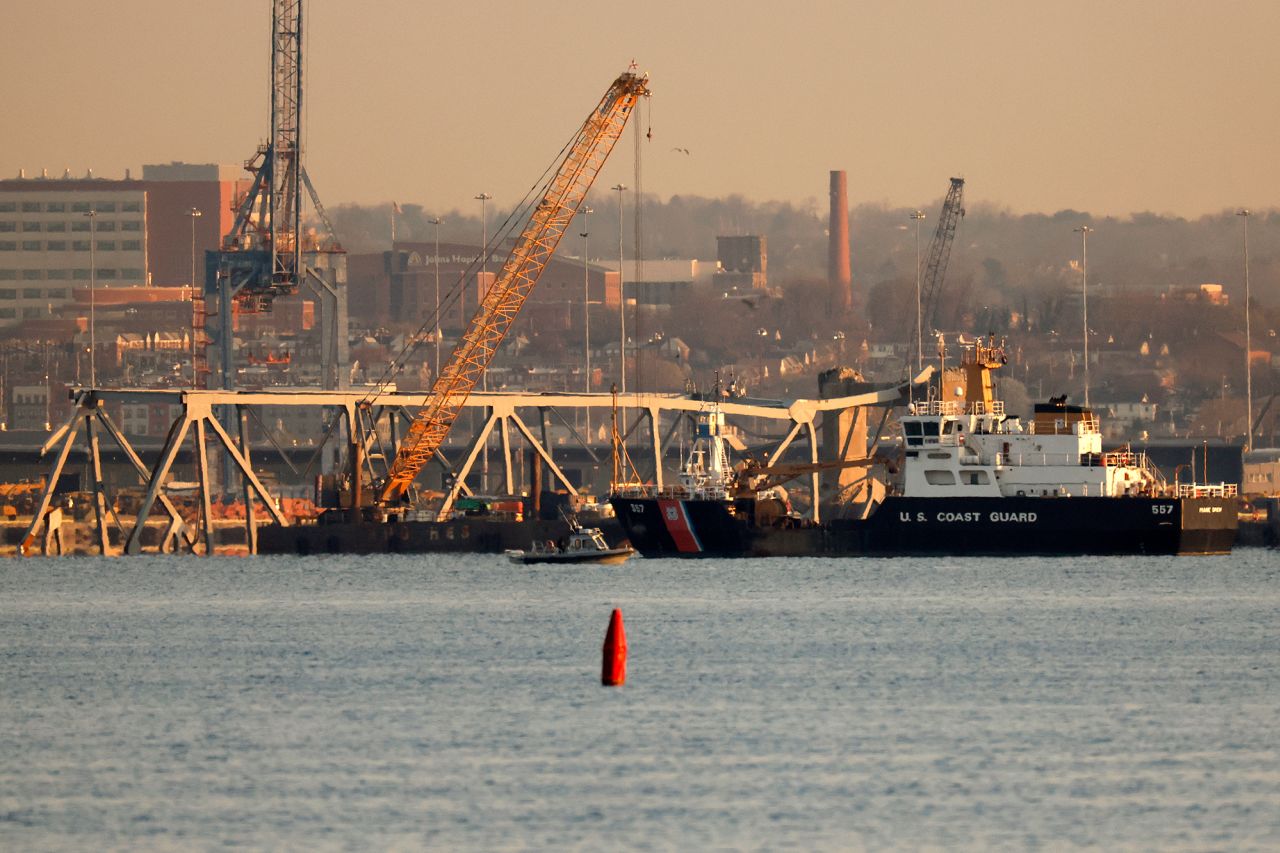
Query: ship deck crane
point(561, 198)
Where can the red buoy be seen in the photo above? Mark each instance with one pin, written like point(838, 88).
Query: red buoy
point(614, 671)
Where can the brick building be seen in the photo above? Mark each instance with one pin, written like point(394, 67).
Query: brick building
point(140, 232)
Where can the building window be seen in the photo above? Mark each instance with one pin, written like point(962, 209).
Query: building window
point(105, 207)
point(32, 275)
point(31, 207)
point(106, 245)
point(56, 206)
point(30, 245)
point(131, 225)
point(132, 273)
point(79, 207)
point(31, 292)
point(31, 312)
point(56, 246)
point(131, 245)
point(80, 275)
point(8, 313)
point(107, 273)
point(80, 225)
point(8, 246)
point(131, 206)
point(8, 226)
point(31, 226)
point(57, 274)
point(80, 245)
point(55, 226)
point(58, 292)
point(7, 207)
point(8, 275)
point(105, 226)
point(8, 293)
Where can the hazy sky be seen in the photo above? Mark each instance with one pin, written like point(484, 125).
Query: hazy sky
point(1111, 106)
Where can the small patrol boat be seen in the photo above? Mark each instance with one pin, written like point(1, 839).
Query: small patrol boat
point(582, 545)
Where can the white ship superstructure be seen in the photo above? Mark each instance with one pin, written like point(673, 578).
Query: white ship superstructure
point(959, 449)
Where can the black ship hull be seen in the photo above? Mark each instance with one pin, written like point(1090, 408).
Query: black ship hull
point(938, 526)
point(460, 536)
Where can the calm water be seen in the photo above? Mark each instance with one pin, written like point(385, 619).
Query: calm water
point(410, 702)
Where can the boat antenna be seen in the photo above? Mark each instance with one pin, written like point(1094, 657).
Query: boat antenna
point(613, 434)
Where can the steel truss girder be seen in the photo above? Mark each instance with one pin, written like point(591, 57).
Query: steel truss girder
point(198, 406)
point(89, 413)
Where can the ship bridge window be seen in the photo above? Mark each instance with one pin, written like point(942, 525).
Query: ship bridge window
point(930, 428)
point(949, 427)
point(911, 429)
point(940, 478)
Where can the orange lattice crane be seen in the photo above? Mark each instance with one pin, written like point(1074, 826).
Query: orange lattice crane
point(502, 303)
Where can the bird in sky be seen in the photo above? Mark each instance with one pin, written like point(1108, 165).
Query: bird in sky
point(681, 150)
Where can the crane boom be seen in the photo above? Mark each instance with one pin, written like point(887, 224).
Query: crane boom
point(498, 309)
point(940, 250)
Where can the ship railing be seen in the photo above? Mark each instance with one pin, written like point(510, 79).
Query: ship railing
point(1087, 425)
point(636, 490)
point(937, 407)
point(673, 493)
point(1151, 470)
point(995, 407)
point(1206, 490)
point(1039, 459)
point(1123, 459)
point(957, 407)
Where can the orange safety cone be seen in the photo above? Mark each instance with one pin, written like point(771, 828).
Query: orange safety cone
point(614, 671)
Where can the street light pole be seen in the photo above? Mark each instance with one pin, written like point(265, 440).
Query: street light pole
point(195, 214)
point(436, 221)
point(1084, 231)
point(484, 271)
point(484, 266)
point(586, 305)
point(622, 302)
point(586, 321)
point(484, 234)
point(1248, 339)
point(918, 215)
point(93, 263)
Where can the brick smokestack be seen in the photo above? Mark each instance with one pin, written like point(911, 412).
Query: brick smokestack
point(839, 279)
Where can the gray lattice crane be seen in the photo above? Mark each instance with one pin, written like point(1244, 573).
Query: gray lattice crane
point(935, 270)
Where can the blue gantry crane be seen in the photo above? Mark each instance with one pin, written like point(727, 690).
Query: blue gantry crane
point(267, 253)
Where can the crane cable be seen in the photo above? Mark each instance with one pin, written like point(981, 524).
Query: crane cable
point(515, 219)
